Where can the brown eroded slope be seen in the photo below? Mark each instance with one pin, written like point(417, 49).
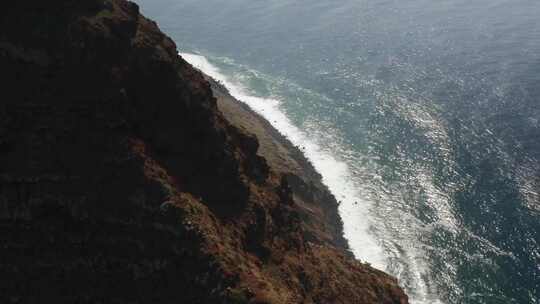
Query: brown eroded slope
point(122, 182)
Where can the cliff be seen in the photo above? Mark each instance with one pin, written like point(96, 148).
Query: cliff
point(126, 177)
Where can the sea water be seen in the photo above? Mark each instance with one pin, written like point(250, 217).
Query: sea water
point(423, 118)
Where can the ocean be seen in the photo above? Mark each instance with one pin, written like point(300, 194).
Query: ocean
point(423, 118)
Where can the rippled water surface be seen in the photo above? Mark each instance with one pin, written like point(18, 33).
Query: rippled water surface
point(423, 116)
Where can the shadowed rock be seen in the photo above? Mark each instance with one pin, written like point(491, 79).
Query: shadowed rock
point(122, 182)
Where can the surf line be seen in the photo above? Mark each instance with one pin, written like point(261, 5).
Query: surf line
point(336, 174)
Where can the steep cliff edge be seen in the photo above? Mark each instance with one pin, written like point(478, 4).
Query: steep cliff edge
point(121, 181)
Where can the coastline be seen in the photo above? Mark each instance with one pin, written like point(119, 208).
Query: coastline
point(320, 167)
point(314, 201)
point(127, 178)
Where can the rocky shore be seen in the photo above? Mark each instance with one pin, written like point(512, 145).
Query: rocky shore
point(127, 176)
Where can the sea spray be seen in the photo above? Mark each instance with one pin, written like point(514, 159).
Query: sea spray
point(336, 174)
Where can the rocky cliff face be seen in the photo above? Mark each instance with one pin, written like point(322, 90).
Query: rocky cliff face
point(122, 182)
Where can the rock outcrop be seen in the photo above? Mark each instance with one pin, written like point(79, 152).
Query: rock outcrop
point(122, 182)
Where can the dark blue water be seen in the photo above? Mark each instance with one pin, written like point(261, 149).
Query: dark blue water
point(434, 108)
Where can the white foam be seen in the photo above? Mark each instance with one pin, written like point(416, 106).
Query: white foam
point(336, 174)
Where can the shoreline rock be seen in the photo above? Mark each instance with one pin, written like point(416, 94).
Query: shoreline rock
point(284, 157)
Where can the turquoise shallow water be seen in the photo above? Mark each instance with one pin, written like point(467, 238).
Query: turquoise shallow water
point(423, 116)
